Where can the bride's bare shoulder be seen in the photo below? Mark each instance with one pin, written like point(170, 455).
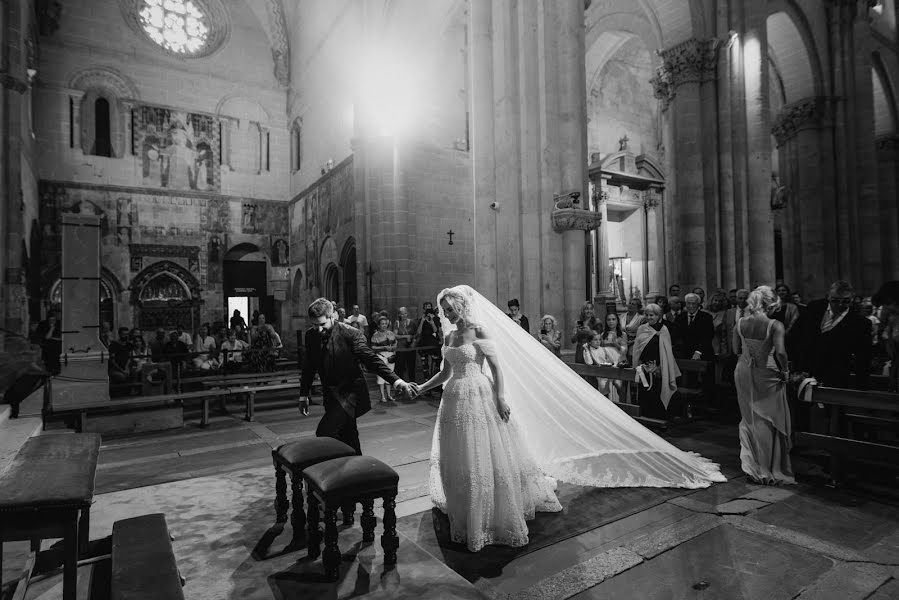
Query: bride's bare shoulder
point(480, 332)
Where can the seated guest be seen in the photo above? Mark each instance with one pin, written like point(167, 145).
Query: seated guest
point(612, 351)
point(157, 346)
point(515, 314)
point(549, 336)
point(232, 351)
point(140, 356)
point(887, 298)
point(829, 340)
point(119, 355)
point(786, 312)
point(760, 379)
point(206, 348)
point(653, 350)
point(184, 336)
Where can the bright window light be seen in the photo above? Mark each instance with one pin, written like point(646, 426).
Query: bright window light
point(390, 95)
point(177, 25)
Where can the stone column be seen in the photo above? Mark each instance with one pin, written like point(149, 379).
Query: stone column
point(572, 97)
point(803, 131)
point(655, 284)
point(888, 189)
point(685, 67)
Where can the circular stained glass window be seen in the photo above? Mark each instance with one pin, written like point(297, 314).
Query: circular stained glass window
point(179, 26)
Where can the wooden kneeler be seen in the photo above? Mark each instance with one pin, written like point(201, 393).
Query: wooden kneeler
point(345, 481)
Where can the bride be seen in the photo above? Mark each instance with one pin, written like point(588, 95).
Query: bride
point(503, 434)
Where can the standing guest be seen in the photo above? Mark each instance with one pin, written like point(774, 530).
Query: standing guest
point(696, 330)
point(550, 337)
point(428, 337)
point(760, 379)
point(675, 308)
point(383, 341)
point(341, 314)
point(254, 320)
point(237, 320)
point(887, 298)
point(175, 351)
point(631, 321)
point(701, 293)
point(797, 300)
point(515, 314)
point(732, 298)
point(662, 301)
point(358, 320)
point(157, 346)
point(335, 352)
point(718, 310)
point(404, 329)
point(586, 327)
point(674, 290)
point(119, 355)
point(653, 350)
point(204, 346)
point(735, 314)
point(49, 337)
point(785, 311)
point(867, 311)
point(829, 339)
point(264, 342)
point(232, 351)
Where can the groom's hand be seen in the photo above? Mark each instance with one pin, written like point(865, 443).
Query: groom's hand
point(304, 406)
point(404, 387)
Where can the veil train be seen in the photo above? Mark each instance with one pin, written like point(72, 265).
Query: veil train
point(575, 433)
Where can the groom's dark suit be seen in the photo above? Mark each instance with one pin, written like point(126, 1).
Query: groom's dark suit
point(336, 356)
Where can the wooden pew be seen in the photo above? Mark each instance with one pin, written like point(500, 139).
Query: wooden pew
point(845, 410)
point(143, 562)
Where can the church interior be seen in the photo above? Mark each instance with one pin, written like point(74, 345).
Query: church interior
point(185, 177)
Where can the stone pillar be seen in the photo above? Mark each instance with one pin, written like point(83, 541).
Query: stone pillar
point(803, 131)
point(572, 97)
point(888, 189)
point(655, 284)
point(727, 239)
point(758, 141)
point(685, 68)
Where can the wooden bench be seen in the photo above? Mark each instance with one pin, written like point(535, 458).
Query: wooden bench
point(47, 493)
point(845, 410)
point(143, 562)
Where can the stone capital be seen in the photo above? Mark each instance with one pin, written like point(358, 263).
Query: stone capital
point(809, 113)
point(692, 61)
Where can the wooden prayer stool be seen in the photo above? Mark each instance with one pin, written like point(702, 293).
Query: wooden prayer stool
point(143, 562)
point(292, 458)
point(342, 481)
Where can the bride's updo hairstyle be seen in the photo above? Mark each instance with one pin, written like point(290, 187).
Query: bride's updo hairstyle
point(458, 299)
point(763, 299)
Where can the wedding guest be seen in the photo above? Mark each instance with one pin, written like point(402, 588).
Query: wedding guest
point(175, 351)
point(592, 353)
point(786, 312)
point(653, 349)
point(184, 336)
point(49, 336)
point(264, 345)
point(232, 351)
point(674, 290)
point(358, 320)
point(696, 330)
point(550, 337)
point(731, 298)
point(675, 308)
point(383, 341)
point(631, 321)
point(515, 315)
point(341, 314)
point(205, 347)
point(119, 355)
point(760, 379)
point(718, 310)
point(701, 293)
point(237, 320)
point(404, 329)
point(830, 339)
point(105, 334)
point(586, 327)
point(157, 346)
point(429, 337)
point(887, 298)
point(612, 351)
point(797, 300)
point(662, 301)
point(140, 356)
point(733, 315)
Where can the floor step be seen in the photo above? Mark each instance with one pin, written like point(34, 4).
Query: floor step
point(5, 410)
point(13, 434)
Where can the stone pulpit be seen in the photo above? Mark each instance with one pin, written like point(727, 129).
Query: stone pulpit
point(84, 359)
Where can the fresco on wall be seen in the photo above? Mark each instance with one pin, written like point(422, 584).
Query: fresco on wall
point(280, 254)
point(214, 259)
point(264, 218)
point(177, 150)
point(163, 288)
point(324, 210)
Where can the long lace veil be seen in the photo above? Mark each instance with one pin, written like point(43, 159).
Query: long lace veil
point(575, 433)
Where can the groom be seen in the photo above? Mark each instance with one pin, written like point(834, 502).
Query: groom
point(335, 351)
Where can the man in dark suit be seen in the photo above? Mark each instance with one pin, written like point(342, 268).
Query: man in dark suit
point(829, 339)
point(696, 329)
point(335, 351)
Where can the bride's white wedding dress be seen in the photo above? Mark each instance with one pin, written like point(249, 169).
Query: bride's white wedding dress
point(483, 475)
point(489, 476)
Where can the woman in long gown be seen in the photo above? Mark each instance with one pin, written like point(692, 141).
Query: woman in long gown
point(760, 378)
point(492, 484)
point(489, 469)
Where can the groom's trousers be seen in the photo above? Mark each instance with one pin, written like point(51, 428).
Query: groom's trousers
point(339, 425)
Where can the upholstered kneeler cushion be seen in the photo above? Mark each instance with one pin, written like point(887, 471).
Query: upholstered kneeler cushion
point(304, 453)
point(351, 477)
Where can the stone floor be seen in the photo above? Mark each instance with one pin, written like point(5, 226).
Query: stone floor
point(733, 540)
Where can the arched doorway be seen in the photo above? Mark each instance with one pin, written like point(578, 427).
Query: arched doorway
point(109, 293)
point(348, 262)
point(331, 282)
point(166, 295)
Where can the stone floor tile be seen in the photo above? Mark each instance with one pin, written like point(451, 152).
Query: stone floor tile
point(723, 563)
point(661, 540)
point(885, 551)
point(740, 506)
point(693, 505)
point(769, 494)
point(888, 591)
point(721, 493)
point(573, 580)
point(847, 581)
point(785, 534)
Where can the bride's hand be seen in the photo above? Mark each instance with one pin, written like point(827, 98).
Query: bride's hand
point(503, 409)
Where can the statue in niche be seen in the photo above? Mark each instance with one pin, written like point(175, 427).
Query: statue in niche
point(280, 253)
point(622, 143)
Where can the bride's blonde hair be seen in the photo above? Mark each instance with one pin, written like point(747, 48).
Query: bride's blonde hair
point(458, 299)
point(762, 299)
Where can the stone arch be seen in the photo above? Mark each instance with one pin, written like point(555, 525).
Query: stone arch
point(104, 83)
point(166, 310)
point(106, 78)
point(246, 249)
point(677, 20)
point(271, 16)
point(328, 254)
point(350, 268)
point(793, 51)
point(331, 281)
point(242, 107)
point(621, 16)
point(111, 290)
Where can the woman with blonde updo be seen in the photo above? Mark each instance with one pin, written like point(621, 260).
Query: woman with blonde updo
point(760, 378)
